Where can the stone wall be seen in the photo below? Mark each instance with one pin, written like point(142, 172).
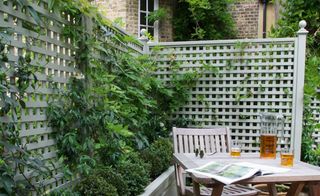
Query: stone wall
point(246, 17)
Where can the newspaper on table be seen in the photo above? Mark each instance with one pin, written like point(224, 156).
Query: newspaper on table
point(234, 172)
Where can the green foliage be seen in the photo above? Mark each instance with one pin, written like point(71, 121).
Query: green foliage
point(114, 178)
point(95, 186)
point(63, 192)
point(135, 172)
point(15, 79)
point(114, 107)
point(308, 153)
point(159, 156)
point(203, 20)
point(293, 12)
point(157, 15)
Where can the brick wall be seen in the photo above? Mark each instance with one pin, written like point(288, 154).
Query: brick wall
point(132, 8)
point(126, 10)
point(165, 26)
point(244, 12)
point(246, 16)
point(112, 9)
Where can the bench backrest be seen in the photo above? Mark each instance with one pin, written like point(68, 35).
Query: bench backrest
point(211, 140)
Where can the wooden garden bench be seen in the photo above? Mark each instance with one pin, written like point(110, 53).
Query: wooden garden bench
point(210, 140)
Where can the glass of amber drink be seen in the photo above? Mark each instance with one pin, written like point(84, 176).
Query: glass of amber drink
point(235, 149)
point(287, 157)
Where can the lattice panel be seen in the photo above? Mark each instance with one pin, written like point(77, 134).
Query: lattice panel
point(50, 51)
point(55, 54)
point(315, 105)
point(247, 77)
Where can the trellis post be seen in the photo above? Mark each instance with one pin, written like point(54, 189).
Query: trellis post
point(144, 39)
point(300, 58)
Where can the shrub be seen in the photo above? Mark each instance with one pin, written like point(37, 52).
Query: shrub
point(64, 192)
point(95, 186)
point(159, 156)
point(114, 178)
point(135, 172)
point(203, 20)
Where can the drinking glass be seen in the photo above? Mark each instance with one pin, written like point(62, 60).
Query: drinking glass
point(235, 149)
point(287, 157)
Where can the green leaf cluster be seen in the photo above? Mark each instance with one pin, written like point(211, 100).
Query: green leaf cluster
point(159, 156)
point(115, 106)
point(96, 185)
point(15, 79)
point(203, 20)
point(293, 12)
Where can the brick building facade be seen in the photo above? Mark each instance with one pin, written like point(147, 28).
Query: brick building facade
point(247, 15)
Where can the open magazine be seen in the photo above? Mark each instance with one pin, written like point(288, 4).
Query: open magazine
point(235, 172)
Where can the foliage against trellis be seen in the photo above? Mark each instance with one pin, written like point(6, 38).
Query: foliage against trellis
point(40, 33)
point(53, 54)
point(242, 78)
point(246, 77)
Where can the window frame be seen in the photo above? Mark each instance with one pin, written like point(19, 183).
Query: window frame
point(155, 25)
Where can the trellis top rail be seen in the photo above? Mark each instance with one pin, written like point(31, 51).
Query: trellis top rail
point(211, 42)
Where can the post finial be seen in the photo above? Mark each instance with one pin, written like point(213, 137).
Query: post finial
point(144, 36)
point(302, 25)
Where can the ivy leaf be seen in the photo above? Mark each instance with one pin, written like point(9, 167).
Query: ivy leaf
point(7, 184)
point(51, 4)
point(22, 103)
point(34, 14)
point(22, 3)
point(120, 129)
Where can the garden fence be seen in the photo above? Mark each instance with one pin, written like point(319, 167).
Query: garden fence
point(247, 77)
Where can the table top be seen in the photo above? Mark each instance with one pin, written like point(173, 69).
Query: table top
point(300, 172)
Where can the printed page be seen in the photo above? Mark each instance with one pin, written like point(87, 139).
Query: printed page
point(210, 168)
point(265, 169)
point(226, 174)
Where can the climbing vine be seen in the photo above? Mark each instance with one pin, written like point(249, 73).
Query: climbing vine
point(15, 79)
point(293, 12)
point(203, 20)
point(115, 106)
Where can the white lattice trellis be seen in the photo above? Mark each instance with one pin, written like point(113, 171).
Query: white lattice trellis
point(249, 77)
point(55, 54)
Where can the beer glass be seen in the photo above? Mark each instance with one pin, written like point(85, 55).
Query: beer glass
point(235, 149)
point(270, 123)
point(287, 157)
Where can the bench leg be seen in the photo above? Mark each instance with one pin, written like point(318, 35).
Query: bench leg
point(272, 189)
point(217, 190)
point(196, 188)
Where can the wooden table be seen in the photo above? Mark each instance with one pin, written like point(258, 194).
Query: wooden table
point(299, 175)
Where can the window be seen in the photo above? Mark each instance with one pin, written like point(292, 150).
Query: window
point(145, 7)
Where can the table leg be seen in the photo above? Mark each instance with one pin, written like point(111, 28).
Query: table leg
point(314, 189)
point(217, 190)
point(272, 189)
point(196, 188)
point(295, 188)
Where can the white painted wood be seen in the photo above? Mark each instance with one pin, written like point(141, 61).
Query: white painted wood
point(220, 142)
point(266, 69)
point(164, 185)
point(299, 91)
